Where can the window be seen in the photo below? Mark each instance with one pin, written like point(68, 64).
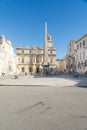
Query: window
point(77, 57)
point(30, 69)
point(83, 43)
point(80, 44)
point(51, 52)
point(79, 65)
point(83, 54)
point(30, 51)
point(22, 60)
point(77, 46)
point(37, 59)
point(85, 63)
point(22, 51)
point(30, 60)
point(80, 55)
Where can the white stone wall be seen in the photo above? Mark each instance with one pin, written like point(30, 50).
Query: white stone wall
point(7, 58)
point(81, 57)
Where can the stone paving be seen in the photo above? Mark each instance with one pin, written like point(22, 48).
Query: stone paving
point(60, 80)
point(43, 103)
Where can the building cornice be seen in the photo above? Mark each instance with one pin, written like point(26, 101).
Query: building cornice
point(84, 36)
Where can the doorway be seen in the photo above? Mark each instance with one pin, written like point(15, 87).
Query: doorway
point(37, 70)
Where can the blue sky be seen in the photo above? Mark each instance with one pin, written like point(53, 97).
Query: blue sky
point(22, 22)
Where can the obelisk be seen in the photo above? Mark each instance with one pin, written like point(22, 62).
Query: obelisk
point(45, 46)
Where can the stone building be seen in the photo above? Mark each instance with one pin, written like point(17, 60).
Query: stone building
point(81, 55)
point(77, 55)
point(71, 56)
point(31, 59)
point(61, 65)
point(7, 57)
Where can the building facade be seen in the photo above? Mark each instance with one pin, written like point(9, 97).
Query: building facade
point(30, 59)
point(61, 65)
point(7, 57)
point(77, 55)
point(81, 55)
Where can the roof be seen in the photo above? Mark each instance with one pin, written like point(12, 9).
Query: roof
point(74, 41)
point(28, 48)
point(59, 59)
point(81, 38)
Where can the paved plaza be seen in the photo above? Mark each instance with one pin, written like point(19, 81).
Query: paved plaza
point(43, 103)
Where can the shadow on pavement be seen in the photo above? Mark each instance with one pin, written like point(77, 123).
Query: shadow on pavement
point(24, 85)
point(81, 79)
